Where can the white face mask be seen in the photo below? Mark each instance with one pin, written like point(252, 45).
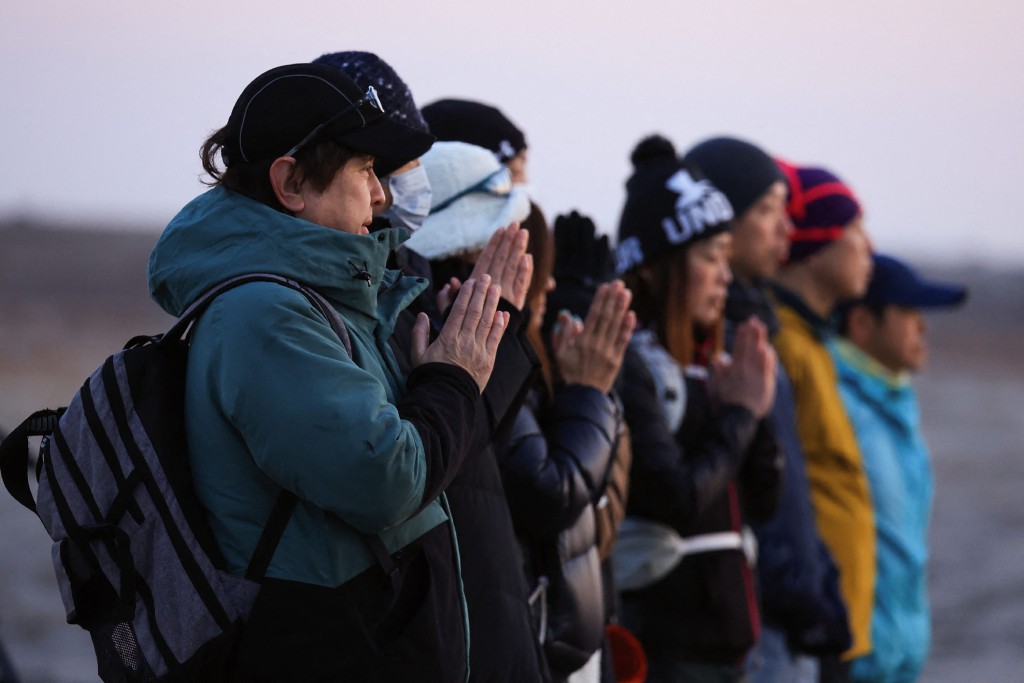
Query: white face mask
point(410, 198)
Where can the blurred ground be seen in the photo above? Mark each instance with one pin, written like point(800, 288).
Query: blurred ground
point(70, 298)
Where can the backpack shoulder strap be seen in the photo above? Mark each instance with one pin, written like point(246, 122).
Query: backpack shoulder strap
point(14, 458)
point(193, 312)
point(286, 501)
point(273, 530)
point(333, 317)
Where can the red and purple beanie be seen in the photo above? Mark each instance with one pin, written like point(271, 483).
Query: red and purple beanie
point(820, 206)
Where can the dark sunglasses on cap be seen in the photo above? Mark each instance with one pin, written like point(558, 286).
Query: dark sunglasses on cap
point(370, 99)
point(498, 184)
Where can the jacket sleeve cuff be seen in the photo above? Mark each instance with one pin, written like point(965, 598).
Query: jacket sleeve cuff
point(443, 403)
point(452, 375)
point(516, 317)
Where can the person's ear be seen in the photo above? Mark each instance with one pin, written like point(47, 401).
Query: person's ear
point(287, 184)
point(860, 322)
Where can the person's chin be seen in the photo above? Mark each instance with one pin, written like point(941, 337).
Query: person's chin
point(771, 269)
point(710, 316)
point(856, 290)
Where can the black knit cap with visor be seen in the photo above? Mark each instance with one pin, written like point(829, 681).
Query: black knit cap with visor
point(366, 69)
point(283, 106)
point(669, 206)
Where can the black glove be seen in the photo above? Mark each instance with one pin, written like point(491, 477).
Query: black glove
point(580, 255)
point(582, 262)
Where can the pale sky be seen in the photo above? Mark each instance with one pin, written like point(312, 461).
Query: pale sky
point(918, 105)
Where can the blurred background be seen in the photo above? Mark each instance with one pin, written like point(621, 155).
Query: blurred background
point(918, 105)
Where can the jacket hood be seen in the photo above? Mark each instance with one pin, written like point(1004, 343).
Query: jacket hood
point(221, 234)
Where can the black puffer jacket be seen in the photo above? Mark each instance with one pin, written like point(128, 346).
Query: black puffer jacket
point(555, 465)
point(719, 469)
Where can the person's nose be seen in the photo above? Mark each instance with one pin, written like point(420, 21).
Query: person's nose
point(868, 243)
point(784, 226)
point(376, 190)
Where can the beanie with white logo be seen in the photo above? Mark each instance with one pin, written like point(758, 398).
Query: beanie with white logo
point(669, 205)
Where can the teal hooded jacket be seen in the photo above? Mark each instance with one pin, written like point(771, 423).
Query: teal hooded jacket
point(274, 400)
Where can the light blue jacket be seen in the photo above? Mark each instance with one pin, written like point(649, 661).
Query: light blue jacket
point(884, 412)
point(274, 400)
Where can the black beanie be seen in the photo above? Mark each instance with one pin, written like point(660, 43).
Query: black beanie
point(366, 69)
point(476, 123)
point(742, 171)
point(669, 205)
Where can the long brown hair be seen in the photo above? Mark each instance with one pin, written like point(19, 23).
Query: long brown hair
point(542, 247)
point(660, 301)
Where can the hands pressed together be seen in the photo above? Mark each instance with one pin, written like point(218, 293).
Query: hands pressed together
point(505, 260)
point(748, 378)
point(590, 352)
point(470, 336)
point(475, 326)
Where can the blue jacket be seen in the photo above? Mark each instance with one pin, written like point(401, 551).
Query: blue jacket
point(884, 412)
point(273, 400)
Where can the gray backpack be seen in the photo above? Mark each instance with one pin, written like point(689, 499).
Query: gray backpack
point(137, 564)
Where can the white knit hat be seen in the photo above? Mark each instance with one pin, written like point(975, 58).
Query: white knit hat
point(473, 196)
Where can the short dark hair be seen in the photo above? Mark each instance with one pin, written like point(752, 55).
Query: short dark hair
point(316, 163)
point(876, 308)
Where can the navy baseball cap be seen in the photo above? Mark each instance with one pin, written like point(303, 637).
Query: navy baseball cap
point(894, 282)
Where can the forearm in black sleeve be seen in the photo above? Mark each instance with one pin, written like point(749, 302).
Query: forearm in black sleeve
point(442, 402)
point(541, 489)
point(658, 490)
point(762, 475)
point(550, 476)
point(515, 366)
point(722, 452)
point(583, 423)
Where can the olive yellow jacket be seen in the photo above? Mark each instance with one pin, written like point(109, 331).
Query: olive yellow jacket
point(839, 484)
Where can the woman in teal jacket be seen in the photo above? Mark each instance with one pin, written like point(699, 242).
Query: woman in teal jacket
point(275, 401)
